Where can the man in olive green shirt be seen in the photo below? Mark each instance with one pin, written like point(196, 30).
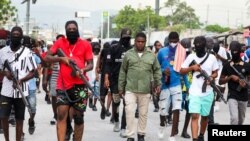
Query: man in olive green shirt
point(138, 67)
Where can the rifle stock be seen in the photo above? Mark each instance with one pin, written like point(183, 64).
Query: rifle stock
point(15, 81)
point(75, 68)
point(212, 83)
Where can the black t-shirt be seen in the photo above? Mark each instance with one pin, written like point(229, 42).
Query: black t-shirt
point(114, 60)
point(232, 85)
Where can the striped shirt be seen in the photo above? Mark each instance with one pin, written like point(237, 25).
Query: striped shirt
point(54, 75)
point(21, 66)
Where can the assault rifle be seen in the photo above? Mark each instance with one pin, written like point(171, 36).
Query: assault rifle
point(75, 69)
point(240, 76)
point(212, 83)
point(17, 85)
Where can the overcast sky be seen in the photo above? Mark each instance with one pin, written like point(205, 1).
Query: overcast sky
point(57, 12)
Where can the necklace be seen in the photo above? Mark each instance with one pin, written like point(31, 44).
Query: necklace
point(70, 51)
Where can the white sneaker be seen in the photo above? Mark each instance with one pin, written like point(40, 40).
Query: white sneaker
point(171, 138)
point(161, 132)
point(116, 127)
point(123, 133)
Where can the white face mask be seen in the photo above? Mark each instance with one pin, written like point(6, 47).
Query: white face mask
point(173, 44)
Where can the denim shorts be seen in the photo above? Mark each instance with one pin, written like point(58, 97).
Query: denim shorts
point(32, 100)
point(170, 95)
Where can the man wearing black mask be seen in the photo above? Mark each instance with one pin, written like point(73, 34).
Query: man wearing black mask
point(71, 90)
point(200, 101)
point(237, 90)
point(23, 64)
point(112, 68)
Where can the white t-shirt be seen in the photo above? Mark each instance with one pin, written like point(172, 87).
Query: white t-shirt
point(21, 66)
point(91, 74)
point(209, 65)
point(223, 53)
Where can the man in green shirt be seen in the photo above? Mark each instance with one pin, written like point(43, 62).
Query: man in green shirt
point(138, 67)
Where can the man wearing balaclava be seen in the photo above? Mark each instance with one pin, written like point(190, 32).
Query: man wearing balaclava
point(112, 68)
point(237, 92)
point(23, 64)
point(200, 101)
point(71, 90)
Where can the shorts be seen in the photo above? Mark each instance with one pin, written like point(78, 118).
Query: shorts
point(6, 106)
point(52, 89)
point(32, 100)
point(201, 105)
point(114, 86)
point(103, 90)
point(76, 97)
point(185, 101)
point(170, 95)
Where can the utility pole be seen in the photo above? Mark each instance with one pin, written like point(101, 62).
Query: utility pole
point(157, 7)
point(207, 14)
point(228, 18)
point(28, 14)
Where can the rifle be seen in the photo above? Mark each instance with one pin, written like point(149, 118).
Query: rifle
point(17, 85)
point(212, 83)
point(75, 69)
point(240, 76)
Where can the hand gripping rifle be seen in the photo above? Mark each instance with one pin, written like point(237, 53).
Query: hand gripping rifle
point(75, 69)
point(240, 76)
point(212, 83)
point(17, 85)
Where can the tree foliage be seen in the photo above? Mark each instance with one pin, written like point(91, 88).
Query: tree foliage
point(7, 11)
point(136, 19)
point(183, 14)
point(216, 28)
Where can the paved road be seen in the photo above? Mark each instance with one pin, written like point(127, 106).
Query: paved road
point(101, 130)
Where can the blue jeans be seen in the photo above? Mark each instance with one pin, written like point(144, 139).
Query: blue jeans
point(32, 100)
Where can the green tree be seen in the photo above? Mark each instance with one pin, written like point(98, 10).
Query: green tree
point(136, 19)
point(7, 11)
point(181, 13)
point(217, 28)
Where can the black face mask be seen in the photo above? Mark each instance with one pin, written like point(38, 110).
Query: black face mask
point(15, 41)
point(72, 36)
point(235, 56)
point(126, 42)
point(200, 51)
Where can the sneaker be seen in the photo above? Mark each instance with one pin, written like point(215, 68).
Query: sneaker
point(161, 132)
point(94, 108)
point(140, 137)
point(31, 126)
point(1, 130)
point(123, 133)
point(53, 121)
point(102, 114)
point(46, 98)
point(49, 101)
point(112, 121)
point(116, 127)
point(130, 139)
point(156, 110)
point(12, 121)
point(90, 103)
point(68, 134)
point(108, 113)
point(136, 114)
point(171, 138)
point(200, 138)
point(185, 135)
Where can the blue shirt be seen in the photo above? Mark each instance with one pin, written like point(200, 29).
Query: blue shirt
point(166, 59)
point(32, 81)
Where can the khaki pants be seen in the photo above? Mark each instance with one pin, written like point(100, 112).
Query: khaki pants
point(142, 101)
